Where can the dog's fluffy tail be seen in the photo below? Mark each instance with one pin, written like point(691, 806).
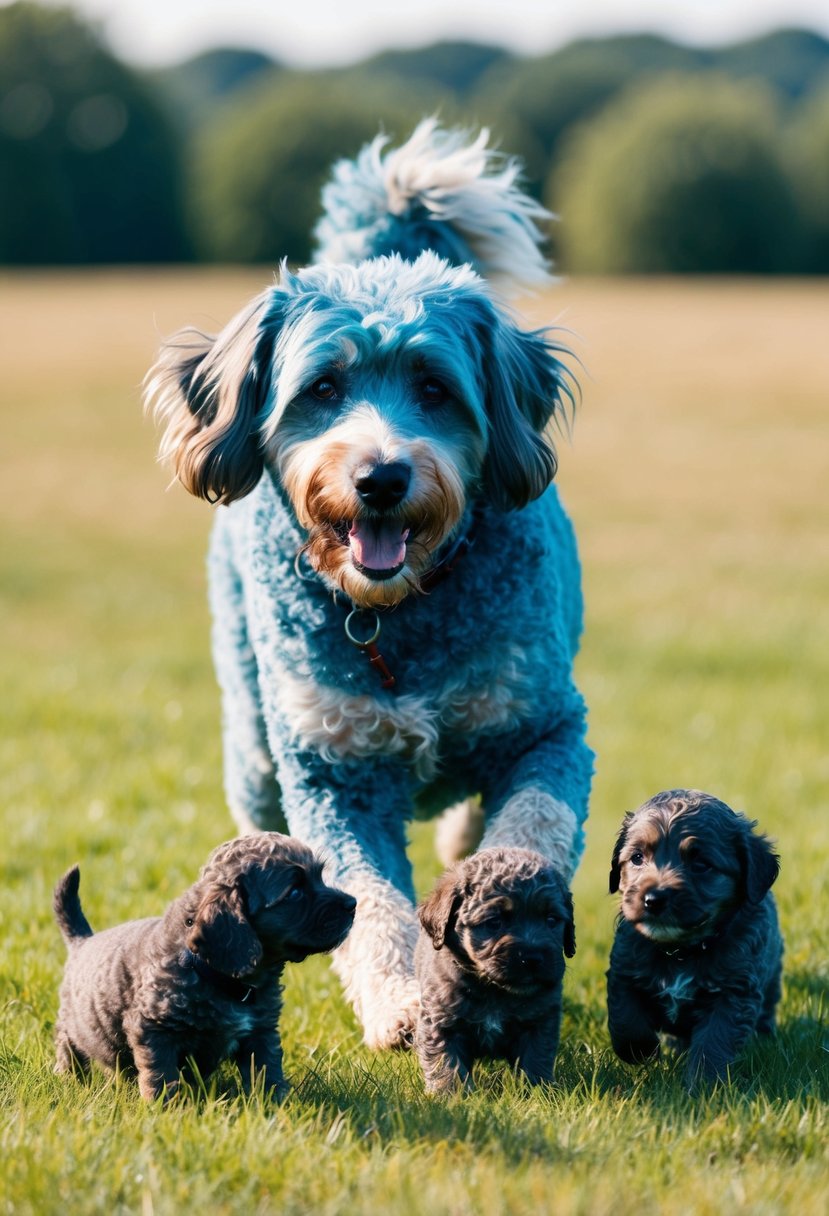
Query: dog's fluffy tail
point(441, 190)
point(67, 906)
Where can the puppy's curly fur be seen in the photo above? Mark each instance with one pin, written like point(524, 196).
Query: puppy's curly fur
point(202, 981)
point(490, 962)
point(697, 953)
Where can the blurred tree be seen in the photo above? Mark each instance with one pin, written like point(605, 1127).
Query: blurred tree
point(794, 61)
point(89, 169)
point(258, 172)
point(810, 163)
point(681, 175)
point(531, 104)
point(194, 89)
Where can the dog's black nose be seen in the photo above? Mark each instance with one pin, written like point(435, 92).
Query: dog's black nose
point(384, 485)
point(532, 958)
point(655, 901)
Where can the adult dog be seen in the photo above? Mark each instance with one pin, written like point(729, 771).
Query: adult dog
point(375, 430)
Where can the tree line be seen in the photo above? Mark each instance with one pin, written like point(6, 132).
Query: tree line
point(656, 157)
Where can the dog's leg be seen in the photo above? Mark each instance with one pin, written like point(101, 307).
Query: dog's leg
point(354, 815)
point(156, 1060)
point(261, 1052)
point(717, 1040)
point(458, 831)
point(534, 1051)
point(446, 1059)
point(250, 782)
point(539, 800)
point(69, 1057)
point(629, 1020)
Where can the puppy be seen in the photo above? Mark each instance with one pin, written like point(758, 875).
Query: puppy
point(202, 981)
point(490, 963)
point(698, 951)
point(394, 582)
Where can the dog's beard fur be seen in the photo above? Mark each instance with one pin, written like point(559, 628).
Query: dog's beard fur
point(318, 474)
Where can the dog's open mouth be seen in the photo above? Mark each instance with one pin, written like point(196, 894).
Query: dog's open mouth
point(377, 545)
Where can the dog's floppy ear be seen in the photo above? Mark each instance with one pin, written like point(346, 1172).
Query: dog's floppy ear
point(760, 863)
point(221, 933)
point(569, 927)
point(212, 394)
point(615, 868)
point(438, 910)
point(527, 385)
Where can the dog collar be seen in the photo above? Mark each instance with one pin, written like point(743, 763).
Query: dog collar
point(366, 639)
point(236, 989)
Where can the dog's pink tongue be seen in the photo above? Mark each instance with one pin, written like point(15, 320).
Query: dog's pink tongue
point(377, 545)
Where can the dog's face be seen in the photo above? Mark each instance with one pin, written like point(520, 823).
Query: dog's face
point(684, 862)
point(507, 914)
point(261, 900)
point(383, 397)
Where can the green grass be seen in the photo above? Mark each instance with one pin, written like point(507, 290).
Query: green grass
point(697, 478)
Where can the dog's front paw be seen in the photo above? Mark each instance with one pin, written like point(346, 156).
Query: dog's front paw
point(389, 1022)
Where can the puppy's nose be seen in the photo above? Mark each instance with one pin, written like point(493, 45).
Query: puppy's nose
point(384, 485)
point(655, 900)
point(533, 958)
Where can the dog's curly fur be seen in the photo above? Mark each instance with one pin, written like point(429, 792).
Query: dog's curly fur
point(490, 963)
point(697, 953)
point(362, 422)
point(201, 982)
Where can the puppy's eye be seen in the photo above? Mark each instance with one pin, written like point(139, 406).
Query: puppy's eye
point(432, 392)
point(552, 920)
point(698, 865)
point(637, 857)
point(294, 894)
point(325, 389)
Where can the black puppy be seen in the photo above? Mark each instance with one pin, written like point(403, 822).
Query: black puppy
point(202, 981)
point(698, 952)
point(490, 962)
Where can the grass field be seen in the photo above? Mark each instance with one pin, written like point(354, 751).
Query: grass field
point(697, 477)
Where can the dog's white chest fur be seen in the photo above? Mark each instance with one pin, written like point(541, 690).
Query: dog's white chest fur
point(677, 992)
point(342, 726)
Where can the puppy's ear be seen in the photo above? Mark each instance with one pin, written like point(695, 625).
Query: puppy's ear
point(221, 933)
point(615, 868)
point(760, 863)
point(527, 386)
point(569, 927)
point(212, 394)
point(438, 910)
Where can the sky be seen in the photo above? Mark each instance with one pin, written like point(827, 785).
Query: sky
point(326, 32)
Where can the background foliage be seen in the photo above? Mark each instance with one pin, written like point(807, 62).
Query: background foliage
point(221, 157)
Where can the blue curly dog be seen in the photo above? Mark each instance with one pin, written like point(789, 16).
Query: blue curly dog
point(394, 583)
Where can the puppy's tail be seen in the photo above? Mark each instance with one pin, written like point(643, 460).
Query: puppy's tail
point(441, 191)
point(67, 907)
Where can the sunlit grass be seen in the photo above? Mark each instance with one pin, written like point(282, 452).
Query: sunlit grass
point(697, 478)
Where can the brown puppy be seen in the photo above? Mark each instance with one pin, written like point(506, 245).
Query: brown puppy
point(202, 981)
point(490, 961)
point(698, 952)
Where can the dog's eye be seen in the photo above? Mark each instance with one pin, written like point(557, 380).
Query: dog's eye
point(324, 389)
point(552, 919)
point(637, 857)
point(294, 894)
point(698, 865)
point(432, 392)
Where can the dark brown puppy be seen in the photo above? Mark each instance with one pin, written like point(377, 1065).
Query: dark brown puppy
point(698, 952)
point(202, 981)
point(490, 962)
